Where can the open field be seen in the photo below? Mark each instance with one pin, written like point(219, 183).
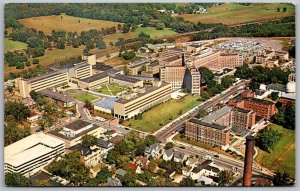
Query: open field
point(110, 89)
point(10, 45)
point(162, 114)
point(233, 13)
point(149, 30)
point(66, 23)
point(283, 155)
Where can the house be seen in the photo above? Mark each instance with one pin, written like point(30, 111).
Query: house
point(89, 156)
point(179, 156)
point(168, 154)
point(196, 173)
point(137, 169)
point(209, 171)
point(120, 173)
point(169, 173)
point(155, 150)
point(33, 117)
point(113, 182)
point(186, 170)
point(191, 161)
point(105, 146)
point(206, 181)
point(142, 161)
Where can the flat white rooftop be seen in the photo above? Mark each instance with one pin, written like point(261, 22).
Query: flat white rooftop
point(29, 148)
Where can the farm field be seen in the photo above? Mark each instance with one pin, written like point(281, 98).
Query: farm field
point(283, 155)
point(163, 113)
point(66, 23)
point(10, 45)
point(233, 13)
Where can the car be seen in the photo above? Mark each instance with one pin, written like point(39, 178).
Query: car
point(217, 156)
point(182, 147)
point(126, 128)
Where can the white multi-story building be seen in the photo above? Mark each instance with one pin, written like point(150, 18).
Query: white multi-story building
point(31, 154)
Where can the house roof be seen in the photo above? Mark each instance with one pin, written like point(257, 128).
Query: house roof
point(152, 147)
point(132, 166)
point(196, 169)
point(113, 182)
point(178, 154)
point(141, 160)
point(85, 151)
point(169, 152)
point(104, 144)
point(121, 172)
point(212, 168)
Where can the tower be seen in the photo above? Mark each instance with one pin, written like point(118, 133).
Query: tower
point(250, 141)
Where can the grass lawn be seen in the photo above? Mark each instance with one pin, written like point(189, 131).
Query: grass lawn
point(283, 155)
point(234, 13)
point(10, 45)
point(66, 23)
point(162, 114)
point(85, 96)
point(155, 33)
point(110, 89)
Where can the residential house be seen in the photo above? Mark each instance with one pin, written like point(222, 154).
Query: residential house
point(191, 161)
point(186, 170)
point(89, 156)
point(105, 146)
point(120, 173)
point(142, 161)
point(196, 173)
point(169, 173)
point(113, 182)
point(209, 171)
point(179, 156)
point(168, 154)
point(137, 169)
point(155, 150)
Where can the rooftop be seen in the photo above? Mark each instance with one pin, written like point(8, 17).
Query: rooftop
point(212, 125)
point(70, 65)
point(217, 114)
point(57, 96)
point(107, 103)
point(45, 76)
point(95, 77)
point(76, 125)
point(138, 95)
point(85, 151)
point(125, 78)
point(29, 148)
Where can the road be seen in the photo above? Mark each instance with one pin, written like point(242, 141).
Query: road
point(168, 131)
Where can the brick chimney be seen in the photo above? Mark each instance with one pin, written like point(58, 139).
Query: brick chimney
point(250, 142)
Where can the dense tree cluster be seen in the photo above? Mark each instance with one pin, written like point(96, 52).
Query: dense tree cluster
point(17, 180)
point(17, 110)
point(259, 74)
point(286, 117)
point(71, 168)
point(284, 27)
point(89, 140)
point(267, 138)
point(282, 179)
point(13, 131)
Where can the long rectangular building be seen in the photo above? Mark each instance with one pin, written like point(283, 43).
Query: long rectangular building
point(136, 103)
point(207, 133)
point(31, 154)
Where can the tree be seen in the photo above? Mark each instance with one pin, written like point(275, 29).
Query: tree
point(100, 44)
point(207, 76)
point(187, 182)
point(89, 140)
point(126, 70)
point(128, 55)
point(61, 44)
point(160, 26)
point(88, 104)
point(274, 96)
point(290, 116)
point(201, 113)
point(284, 9)
point(150, 140)
point(103, 175)
point(126, 28)
point(281, 179)
point(17, 180)
point(35, 61)
point(169, 145)
point(227, 81)
point(278, 9)
point(267, 138)
point(225, 177)
point(19, 111)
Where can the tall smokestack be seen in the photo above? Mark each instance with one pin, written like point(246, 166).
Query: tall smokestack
point(250, 142)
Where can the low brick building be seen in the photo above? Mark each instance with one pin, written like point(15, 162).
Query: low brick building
point(242, 119)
